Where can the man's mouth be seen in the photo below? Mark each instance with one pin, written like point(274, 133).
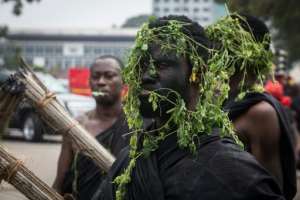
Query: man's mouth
point(98, 93)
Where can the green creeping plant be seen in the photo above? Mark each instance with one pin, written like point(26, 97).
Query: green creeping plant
point(238, 46)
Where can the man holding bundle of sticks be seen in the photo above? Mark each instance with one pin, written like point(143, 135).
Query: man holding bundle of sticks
point(77, 174)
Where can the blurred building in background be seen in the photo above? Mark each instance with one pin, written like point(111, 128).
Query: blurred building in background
point(202, 11)
point(66, 48)
point(63, 49)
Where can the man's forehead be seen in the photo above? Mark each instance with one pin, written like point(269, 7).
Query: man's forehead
point(106, 64)
point(158, 53)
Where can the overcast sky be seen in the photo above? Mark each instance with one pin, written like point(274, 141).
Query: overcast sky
point(74, 13)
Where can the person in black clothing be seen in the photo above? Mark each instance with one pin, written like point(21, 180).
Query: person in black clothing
point(77, 174)
point(218, 169)
point(261, 122)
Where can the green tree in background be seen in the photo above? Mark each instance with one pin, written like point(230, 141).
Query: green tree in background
point(284, 16)
point(17, 10)
point(18, 5)
point(136, 21)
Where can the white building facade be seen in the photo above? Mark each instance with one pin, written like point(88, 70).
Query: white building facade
point(201, 11)
point(66, 49)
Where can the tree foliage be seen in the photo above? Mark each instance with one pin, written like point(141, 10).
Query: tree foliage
point(18, 5)
point(284, 15)
point(3, 31)
point(136, 21)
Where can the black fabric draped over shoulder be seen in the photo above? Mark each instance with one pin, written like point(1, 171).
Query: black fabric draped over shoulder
point(84, 177)
point(219, 170)
point(287, 156)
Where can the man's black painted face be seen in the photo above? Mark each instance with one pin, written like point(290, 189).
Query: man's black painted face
point(171, 75)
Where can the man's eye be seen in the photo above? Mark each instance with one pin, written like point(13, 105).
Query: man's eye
point(109, 76)
point(162, 65)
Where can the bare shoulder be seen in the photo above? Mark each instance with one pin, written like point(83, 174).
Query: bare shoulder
point(264, 122)
point(262, 110)
point(84, 118)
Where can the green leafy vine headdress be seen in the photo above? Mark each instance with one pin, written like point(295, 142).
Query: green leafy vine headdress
point(213, 90)
point(240, 50)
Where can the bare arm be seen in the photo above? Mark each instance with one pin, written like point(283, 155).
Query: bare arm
point(64, 162)
point(261, 130)
point(65, 159)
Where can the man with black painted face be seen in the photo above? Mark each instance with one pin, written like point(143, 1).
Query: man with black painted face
point(77, 174)
point(171, 73)
point(219, 169)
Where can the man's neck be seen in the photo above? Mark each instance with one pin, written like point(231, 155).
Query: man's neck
point(233, 93)
point(105, 112)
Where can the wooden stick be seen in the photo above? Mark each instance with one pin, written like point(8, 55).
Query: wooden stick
point(14, 172)
point(56, 116)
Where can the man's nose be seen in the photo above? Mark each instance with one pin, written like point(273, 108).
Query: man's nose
point(149, 76)
point(101, 81)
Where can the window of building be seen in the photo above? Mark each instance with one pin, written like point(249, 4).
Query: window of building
point(166, 10)
point(49, 50)
point(176, 9)
point(196, 10)
point(58, 50)
point(107, 51)
point(166, 1)
point(205, 19)
point(117, 52)
point(67, 63)
point(29, 50)
point(88, 62)
point(39, 50)
point(206, 9)
point(186, 1)
point(57, 63)
point(176, 1)
point(205, 1)
point(88, 50)
point(156, 1)
point(156, 9)
point(186, 9)
point(196, 1)
point(78, 62)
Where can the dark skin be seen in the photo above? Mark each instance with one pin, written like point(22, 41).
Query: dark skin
point(105, 77)
point(172, 72)
point(259, 130)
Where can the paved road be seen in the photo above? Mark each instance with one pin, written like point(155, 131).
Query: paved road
point(40, 158)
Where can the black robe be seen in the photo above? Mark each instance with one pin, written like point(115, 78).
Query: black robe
point(219, 170)
point(89, 175)
point(287, 156)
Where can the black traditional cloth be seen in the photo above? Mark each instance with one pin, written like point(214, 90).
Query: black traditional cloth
point(84, 176)
point(287, 156)
point(296, 108)
point(218, 170)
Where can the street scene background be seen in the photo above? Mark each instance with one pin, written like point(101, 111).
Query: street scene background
point(61, 38)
